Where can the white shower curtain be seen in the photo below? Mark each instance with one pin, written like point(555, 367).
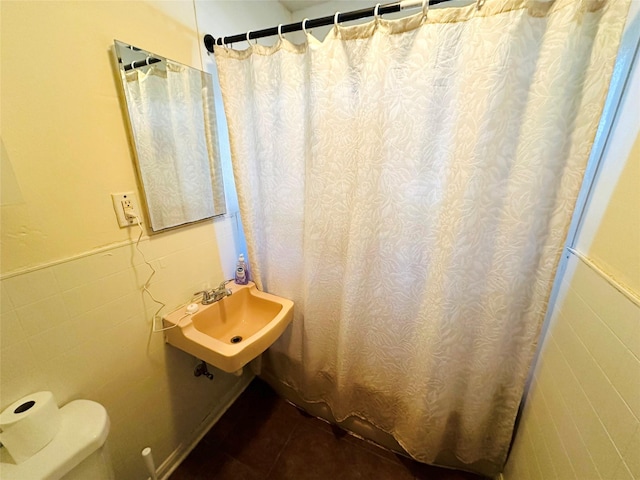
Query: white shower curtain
point(409, 184)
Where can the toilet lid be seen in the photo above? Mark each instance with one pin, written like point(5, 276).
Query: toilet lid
point(84, 426)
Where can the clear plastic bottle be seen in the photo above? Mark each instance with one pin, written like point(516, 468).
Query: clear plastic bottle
point(242, 272)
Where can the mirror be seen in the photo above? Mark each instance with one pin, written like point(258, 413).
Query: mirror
point(173, 124)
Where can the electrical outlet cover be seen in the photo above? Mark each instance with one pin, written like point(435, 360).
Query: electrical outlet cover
point(119, 200)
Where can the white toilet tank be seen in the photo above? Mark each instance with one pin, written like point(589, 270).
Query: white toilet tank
point(78, 451)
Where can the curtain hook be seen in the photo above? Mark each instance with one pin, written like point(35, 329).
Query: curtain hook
point(220, 41)
point(425, 9)
point(249, 40)
point(304, 26)
point(335, 19)
point(376, 15)
point(280, 32)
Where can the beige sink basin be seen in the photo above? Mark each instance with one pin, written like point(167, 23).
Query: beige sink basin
point(231, 332)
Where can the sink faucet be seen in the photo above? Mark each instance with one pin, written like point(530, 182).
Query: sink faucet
point(213, 295)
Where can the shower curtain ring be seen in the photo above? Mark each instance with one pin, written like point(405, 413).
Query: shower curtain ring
point(425, 9)
point(335, 19)
point(304, 26)
point(280, 32)
point(249, 40)
point(479, 4)
point(376, 15)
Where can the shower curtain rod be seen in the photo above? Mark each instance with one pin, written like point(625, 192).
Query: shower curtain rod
point(210, 41)
point(141, 63)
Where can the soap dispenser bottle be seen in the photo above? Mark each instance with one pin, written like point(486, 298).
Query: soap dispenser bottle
point(242, 273)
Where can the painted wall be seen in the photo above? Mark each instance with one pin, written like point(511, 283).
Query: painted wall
point(62, 123)
point(224, 18)
point(582, 415)
point(73, 317)
point(616, 243)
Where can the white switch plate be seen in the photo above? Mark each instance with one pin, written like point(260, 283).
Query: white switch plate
point(119, 201)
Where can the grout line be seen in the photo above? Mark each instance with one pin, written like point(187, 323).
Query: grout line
point(556, 430)
point(595, 411)
point(600, 319)
point(284, 446)
point(538, 417)
point(534, 451)
point(226, 456)
point(610, 385)
point(568, 410)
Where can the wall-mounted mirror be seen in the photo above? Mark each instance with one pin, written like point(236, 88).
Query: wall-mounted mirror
point(172, 118)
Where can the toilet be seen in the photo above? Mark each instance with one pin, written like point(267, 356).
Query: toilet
point(78, 451)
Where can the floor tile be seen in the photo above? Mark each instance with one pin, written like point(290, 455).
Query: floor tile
point(219, 466)
point(422, 471)
point(315, 454)
point(261, 433)
point(188, 469)
point(226, 467)
point(262, 437)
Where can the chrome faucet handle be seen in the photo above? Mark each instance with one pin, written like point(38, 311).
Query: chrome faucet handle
point(213, 295)
point(224, 284)
point(206, 295)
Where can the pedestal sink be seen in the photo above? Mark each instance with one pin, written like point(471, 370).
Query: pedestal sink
point(231, 332)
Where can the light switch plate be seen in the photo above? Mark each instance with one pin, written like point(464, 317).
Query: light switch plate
point(120, 200)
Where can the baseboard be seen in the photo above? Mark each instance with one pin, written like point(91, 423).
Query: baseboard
point(182, 450)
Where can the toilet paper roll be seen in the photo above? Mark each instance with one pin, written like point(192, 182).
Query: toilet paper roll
point(29, 424)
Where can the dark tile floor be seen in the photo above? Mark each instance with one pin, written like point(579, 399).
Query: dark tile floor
point(262, 437)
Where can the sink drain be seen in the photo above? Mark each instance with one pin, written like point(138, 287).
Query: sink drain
point(236, 339)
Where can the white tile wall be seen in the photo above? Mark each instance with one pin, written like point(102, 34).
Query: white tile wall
point(81, 329)
point(582, 415)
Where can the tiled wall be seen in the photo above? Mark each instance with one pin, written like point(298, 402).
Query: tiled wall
point(582, 416)
point(81, 329)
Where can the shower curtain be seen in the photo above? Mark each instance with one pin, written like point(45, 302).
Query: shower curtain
point(409, 184)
